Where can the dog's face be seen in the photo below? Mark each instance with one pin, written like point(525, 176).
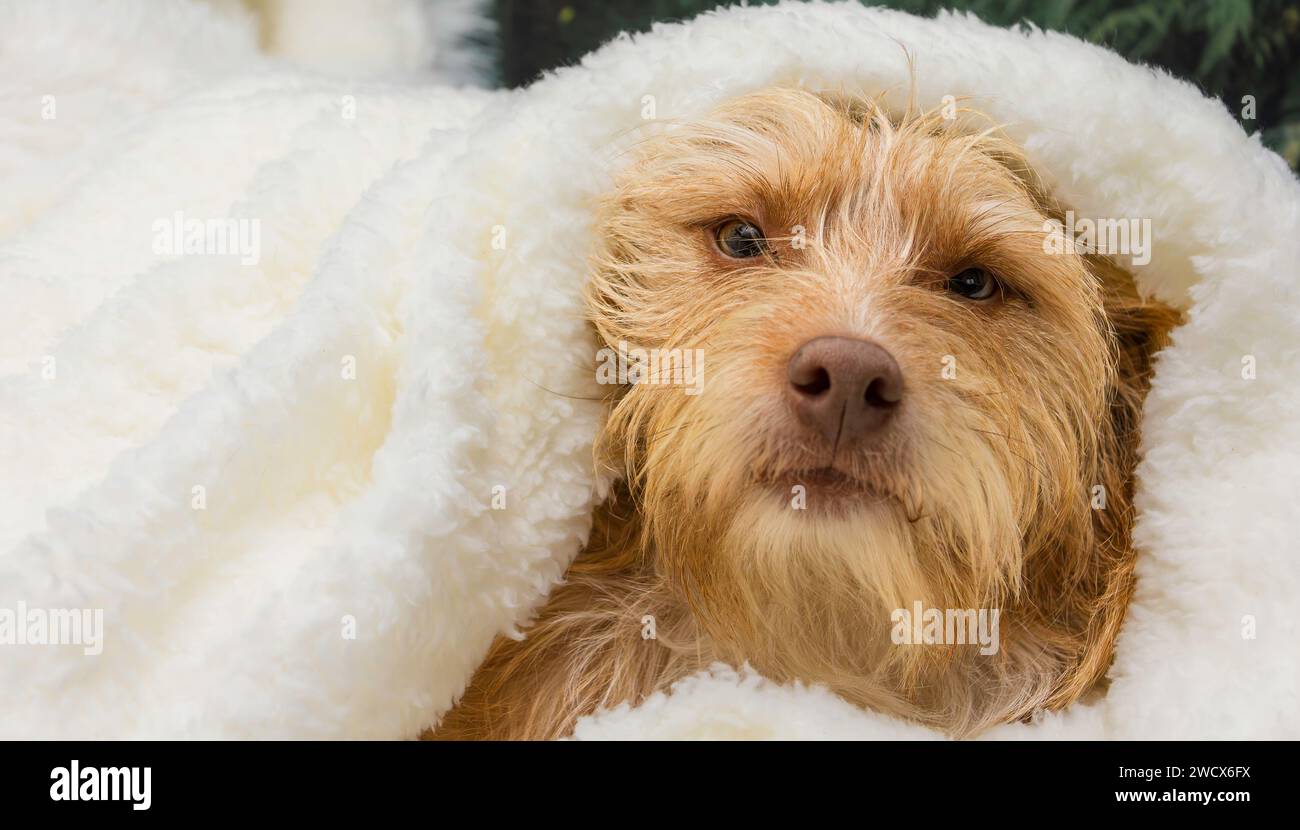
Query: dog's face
point(904, 394)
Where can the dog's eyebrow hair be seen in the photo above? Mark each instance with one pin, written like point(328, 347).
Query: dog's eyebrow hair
point(747, 166)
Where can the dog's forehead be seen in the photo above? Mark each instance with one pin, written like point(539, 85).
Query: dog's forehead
point(813, 156)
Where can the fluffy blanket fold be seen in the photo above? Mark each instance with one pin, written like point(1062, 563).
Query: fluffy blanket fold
point(280, 354)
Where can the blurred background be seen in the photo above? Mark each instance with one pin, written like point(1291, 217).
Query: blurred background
point(1229, 48)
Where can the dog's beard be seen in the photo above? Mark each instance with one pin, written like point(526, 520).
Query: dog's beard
point(803, 585)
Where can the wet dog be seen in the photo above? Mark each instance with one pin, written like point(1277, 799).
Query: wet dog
point(912, 402)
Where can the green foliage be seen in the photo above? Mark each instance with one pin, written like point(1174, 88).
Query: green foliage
point(1229, 48)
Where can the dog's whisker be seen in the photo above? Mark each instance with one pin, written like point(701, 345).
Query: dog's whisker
point(601, 399)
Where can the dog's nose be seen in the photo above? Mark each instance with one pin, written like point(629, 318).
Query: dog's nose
point(845, 389)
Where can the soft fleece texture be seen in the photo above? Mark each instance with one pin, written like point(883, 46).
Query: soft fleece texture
point(374, 38)
point(331, 500)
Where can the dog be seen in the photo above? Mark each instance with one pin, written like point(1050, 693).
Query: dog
point(911, 401)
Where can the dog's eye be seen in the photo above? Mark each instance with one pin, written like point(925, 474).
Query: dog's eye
point(740, 239)
point(973, 284)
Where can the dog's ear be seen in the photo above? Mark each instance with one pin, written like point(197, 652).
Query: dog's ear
point(1139, 329)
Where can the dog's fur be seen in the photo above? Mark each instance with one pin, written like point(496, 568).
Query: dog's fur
point(982, 495)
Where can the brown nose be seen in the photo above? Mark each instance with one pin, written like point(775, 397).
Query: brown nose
point(845, 389)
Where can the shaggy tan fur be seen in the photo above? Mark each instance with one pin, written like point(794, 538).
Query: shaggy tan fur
point(982, 496)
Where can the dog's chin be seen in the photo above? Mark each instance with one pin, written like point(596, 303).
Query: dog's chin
point(834, 539)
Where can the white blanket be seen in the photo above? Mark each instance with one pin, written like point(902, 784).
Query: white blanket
point(308, 479)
